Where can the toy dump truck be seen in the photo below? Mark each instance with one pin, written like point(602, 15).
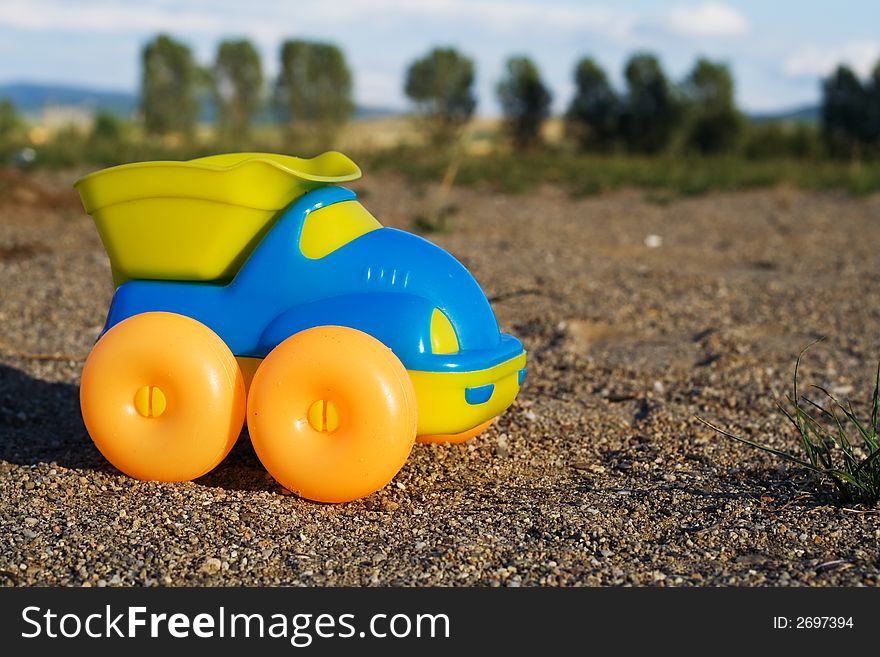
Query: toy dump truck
point(253, 285)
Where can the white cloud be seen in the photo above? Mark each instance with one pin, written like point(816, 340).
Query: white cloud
point(710, 19)
point(813, 61)
point(500, 15)
point(101, 17)
point(271, 18)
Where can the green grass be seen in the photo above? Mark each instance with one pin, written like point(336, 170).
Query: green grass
point(837, 446)
point(664, 177)
point(591, 174)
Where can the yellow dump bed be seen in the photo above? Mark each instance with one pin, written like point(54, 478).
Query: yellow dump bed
point(198, 220)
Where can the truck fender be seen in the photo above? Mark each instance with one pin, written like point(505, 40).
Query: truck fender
point(400, 321)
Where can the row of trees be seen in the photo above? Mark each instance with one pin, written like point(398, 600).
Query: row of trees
point(313, 88)
point(653, 112)
point(312, 96)
point(699, 114)
point(313, 92)
point(648, 117)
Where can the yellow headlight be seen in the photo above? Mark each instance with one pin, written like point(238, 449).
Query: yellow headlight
point(443, 340)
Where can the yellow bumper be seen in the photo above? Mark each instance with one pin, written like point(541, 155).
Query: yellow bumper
point(443, 408)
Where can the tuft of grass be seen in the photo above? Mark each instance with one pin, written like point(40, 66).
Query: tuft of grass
point(439, 221)
point(838, 447)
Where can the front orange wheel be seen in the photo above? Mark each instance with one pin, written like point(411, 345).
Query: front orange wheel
point(162, 397)
point(332, 414)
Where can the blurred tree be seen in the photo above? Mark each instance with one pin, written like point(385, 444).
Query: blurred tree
point(804, 142)
point(845, 115)
point(9, 119)
point(237, 80)
point(441, 86)
point(525, 101)
point(764, 140)
point(107, 126)
point(313, 90)
point(168, 87)
point(714, 124)
point(872, 126)
point(651, 112)
point(593, 115)
point(777, 140)
point(107, 142)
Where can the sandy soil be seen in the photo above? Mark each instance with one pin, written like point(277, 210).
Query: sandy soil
point(597, 475)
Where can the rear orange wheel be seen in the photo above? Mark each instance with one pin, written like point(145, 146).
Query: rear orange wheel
point(332, 414)
point(457, 437)
point(162, 397)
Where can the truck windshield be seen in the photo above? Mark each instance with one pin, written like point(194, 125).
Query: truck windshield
point(331, 227)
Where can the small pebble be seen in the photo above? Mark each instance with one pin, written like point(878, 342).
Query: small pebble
point(211, 565)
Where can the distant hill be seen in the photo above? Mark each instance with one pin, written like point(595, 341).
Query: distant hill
point(32, 98)
point(806, 114)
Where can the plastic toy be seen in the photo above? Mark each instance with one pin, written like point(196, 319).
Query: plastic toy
point(250, 284)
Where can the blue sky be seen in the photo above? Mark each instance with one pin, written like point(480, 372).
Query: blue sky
point(777, 49)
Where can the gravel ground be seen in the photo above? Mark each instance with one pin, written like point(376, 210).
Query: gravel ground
point(598, 475)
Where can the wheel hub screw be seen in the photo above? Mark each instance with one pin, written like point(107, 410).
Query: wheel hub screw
point(323, 416)
point(150, 401)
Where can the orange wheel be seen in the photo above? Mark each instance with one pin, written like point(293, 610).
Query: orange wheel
point(457, 437)
point(162, 397)
point(332, 414)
